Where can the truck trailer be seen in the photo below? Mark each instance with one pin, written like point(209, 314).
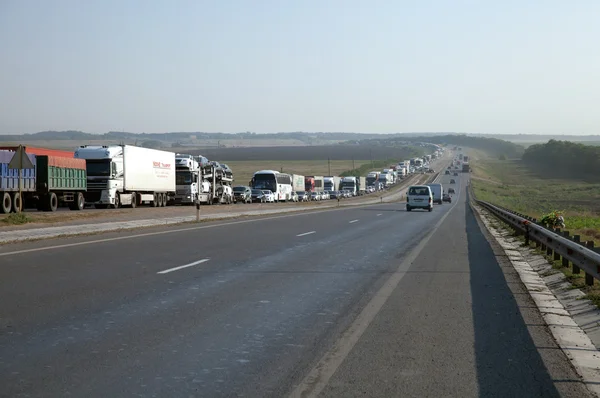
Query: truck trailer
point(53, 181)
point(298, 183)
point(128, 175)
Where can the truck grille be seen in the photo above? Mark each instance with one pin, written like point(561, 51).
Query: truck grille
point(96, 186)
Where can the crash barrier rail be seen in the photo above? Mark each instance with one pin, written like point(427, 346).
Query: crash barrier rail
point(559, 244)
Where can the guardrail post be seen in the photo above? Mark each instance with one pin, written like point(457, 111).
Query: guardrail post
point(576, 269)
point(549, 250)
point(589, 279)
point(565, 262)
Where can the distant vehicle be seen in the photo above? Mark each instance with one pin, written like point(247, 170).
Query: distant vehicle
point(447, 198)
point(451, 190)
point(437, 191)
point(455, 174)
point(452, 181)
point(419, 197)
point(325, 195)
point(447, 172)
point(242, 194)
point(315, 195)
point(269, 196)
point(303, 196)
point(295, 197)
point(258, 196)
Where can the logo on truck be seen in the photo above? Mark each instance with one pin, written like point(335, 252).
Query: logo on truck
point(161, 165)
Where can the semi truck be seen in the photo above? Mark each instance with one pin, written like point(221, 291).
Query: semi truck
point(372, 178)
point(350, 184)
point(319, 183)
point(54, 180)
point(217, 179)
point(298, 183)
point(188, 179)
point(128, 175)
point(465, 167)
point(331, 183)
point(309, 184)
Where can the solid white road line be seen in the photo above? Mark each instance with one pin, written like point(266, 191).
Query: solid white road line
point(379, 214)
point(183, 266)
point(307, 233)
point(353, 221)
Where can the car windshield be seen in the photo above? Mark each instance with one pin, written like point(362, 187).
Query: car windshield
point(256, 192)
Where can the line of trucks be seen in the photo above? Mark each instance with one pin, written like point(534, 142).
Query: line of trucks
point(110, 176)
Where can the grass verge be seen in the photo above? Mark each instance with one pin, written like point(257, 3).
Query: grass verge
point(16, 219)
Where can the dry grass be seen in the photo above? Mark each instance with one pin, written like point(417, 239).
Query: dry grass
point(53, 217)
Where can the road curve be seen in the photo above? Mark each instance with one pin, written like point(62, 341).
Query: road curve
point(371, 301)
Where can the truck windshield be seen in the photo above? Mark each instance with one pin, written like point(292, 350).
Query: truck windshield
point(98, 168)
point(183, 177)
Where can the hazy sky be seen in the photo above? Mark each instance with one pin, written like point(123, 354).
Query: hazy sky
point(493, 66)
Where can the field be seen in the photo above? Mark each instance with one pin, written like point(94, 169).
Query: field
point(243, 170)
point(512, 184)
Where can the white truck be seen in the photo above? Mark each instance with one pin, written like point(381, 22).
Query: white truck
point(437, 190)
point(188, 178)
point(319, 183)
point(350, 184)
point(297, 183)
point(386, 178)
point(372, 178)
point(216, 184)
point(402, 171)
point(128, 175)
point(331, 183)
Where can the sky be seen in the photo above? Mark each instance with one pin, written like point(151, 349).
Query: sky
point(306, 65)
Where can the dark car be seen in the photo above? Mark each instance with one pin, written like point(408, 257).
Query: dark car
point(447, 172)
point(452, 181)
point(450, 190)
point(242, 194)
point(258, 196)
point(447, 198)
point(455, 174)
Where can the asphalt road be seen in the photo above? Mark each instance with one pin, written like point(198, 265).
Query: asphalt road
point(369, 301)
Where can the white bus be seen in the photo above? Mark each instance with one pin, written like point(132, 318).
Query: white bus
point(278, 183)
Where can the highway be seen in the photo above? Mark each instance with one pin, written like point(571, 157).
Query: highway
point(362, 301)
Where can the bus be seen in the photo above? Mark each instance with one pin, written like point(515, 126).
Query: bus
point(278, 183)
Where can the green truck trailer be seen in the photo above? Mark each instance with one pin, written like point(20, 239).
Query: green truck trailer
point(54, 180)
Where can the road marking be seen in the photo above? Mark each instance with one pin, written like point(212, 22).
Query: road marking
point(319, 376)
point(353, 221)
point(307, 233)
point(379, 214)
point(183, 266)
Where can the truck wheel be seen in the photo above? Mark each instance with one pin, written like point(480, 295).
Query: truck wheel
point(52, 201)
point(165, 199)
point(155, 200)
point(16, 202)
point(6, 203)
point(133, 200)
point(117, 201)
point(78, 203)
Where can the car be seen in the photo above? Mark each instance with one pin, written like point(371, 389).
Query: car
point(455, 174)
point(303, 196)
point(242, 194)
point(450, 190)
point(315, 196)
point(448, 172)
point(269, 196)
point(294, 197)
point(447, 198)
point(452, 181)
point(419, 197)
point(325, 195)
point(258, 196)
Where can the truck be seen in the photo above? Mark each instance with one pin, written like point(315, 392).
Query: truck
point(465, 167)
point(53, 181)
point(350, 184)
point(331, 183)
point(217, 179)
point(386, 177)
point(188, 179)
point(402, 172)
point(465, 158)
point(309, 184)
point(372, 178)
point(437, 190)
point(362, 185)
point(128, 175)
point(319, 183)
point(298, 183)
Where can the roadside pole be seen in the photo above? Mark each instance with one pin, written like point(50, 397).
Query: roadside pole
point(197, 208)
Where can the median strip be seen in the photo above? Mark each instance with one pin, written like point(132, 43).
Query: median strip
point(183, 266)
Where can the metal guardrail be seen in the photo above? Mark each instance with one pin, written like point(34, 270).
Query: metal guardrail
point(582, 255)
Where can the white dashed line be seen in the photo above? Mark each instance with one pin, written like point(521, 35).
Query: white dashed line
point(183, 266)
point(353, 221)
point(379, 214)
point(307, 233)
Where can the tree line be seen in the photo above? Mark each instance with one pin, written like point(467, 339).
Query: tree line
point(565, 158)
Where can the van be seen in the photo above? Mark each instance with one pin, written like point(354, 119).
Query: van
point(437, 190)
point(419, 197)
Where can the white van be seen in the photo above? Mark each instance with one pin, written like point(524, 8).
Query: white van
point(419, 197)
point(437, 190)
